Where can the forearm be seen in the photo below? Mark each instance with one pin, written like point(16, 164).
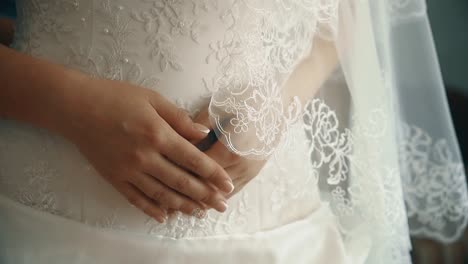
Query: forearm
point(35, 91)
point(313, 71)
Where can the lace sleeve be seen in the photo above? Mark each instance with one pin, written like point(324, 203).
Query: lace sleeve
point(266, 78)
point(381, 141)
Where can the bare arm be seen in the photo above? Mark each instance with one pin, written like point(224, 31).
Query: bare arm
point(312, 71)
point(150, 162)
point(33, 90)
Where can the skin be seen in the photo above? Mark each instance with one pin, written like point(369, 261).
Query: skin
point(150, 158)
point(240, 169)
point(140, 140)
point(141, 134)
point(304, 82)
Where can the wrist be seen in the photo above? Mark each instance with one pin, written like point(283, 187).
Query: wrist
point(67, 103)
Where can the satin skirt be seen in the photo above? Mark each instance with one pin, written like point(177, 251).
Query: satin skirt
point(29, 236)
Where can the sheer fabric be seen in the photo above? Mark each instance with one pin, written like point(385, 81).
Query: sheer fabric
point(344, 99)
point(380, 134)
point(174, 48)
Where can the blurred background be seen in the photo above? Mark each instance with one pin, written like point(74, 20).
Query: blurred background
point(449, 20)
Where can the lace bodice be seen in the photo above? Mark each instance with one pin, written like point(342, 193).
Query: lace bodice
point(364, 139)
point(180, 49)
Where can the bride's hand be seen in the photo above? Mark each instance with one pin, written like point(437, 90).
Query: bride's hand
point(241, 170)
point(137, 140)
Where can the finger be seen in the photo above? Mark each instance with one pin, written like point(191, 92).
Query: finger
point(183, 153)
point(185, 183)
point(239, 186)
point(178, 118)
point(205, 143)
point(164, 195)
point(203, 118)
point(219, 153)
point(139, 200)
point(239, 183)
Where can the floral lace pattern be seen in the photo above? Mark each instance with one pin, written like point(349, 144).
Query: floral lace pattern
point(41, 197)
point(239, 54)
point(433, 183)
point(181, 226)
point(43, 23)
point(261, 47)
point(435, 191)
point(338, 154)
point(108, 34)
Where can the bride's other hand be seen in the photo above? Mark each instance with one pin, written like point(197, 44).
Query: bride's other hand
point(136, 140)
point(240, 169)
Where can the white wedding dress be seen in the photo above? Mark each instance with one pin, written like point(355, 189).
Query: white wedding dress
point(56, 209)
point(353, 167)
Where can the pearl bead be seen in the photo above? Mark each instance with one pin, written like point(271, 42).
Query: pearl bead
point(121, 8)
point(83, 19)
point(106, 30)
point(126, 60)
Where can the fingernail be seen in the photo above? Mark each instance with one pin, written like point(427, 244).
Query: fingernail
point(201, 128)
point(160, 219)
point(221, 206)
point(228, 187)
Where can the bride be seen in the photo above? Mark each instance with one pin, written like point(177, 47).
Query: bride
point(207, 131)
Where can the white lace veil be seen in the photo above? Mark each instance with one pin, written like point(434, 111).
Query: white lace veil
point(378, 123)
